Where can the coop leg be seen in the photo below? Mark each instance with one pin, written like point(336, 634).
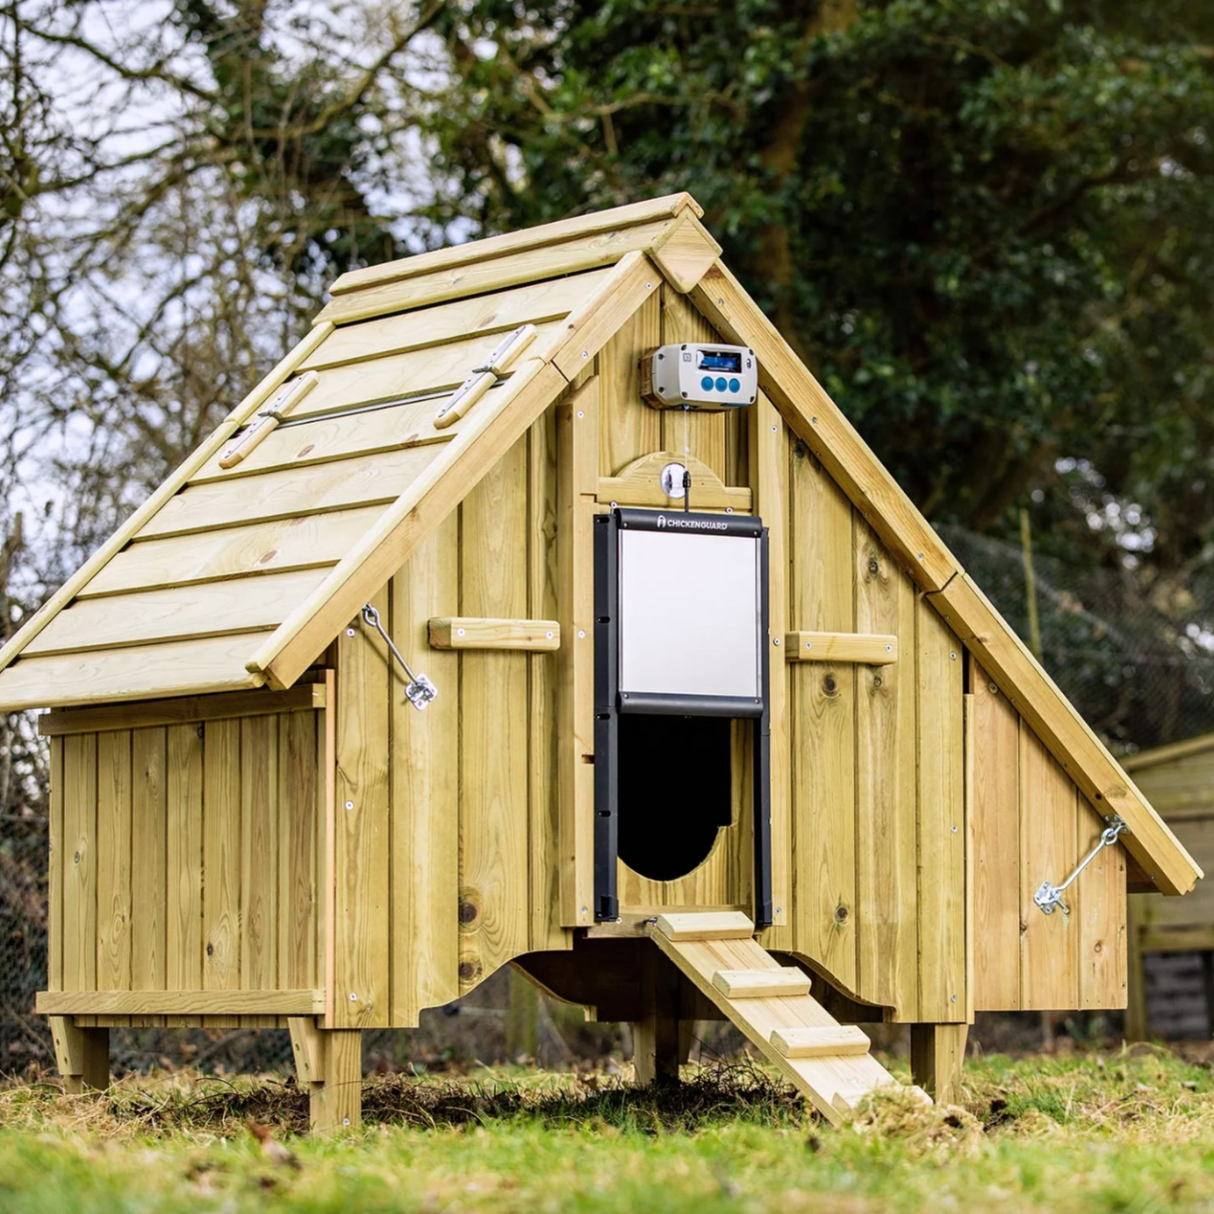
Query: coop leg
point(82, 1055)
point(655, 1038)
point(329, 1063)
point(937, 1055)
point(1137, 1024)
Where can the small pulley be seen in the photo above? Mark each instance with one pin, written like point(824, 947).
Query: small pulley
point(1048, 896)
point(419, 691)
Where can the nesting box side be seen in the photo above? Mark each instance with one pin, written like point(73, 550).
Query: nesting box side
point(186, 839)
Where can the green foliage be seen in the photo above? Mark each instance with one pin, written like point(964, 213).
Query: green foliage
point(984, 220)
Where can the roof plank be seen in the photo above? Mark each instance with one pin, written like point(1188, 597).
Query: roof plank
point(175, 613)
point(604, 248)
point(234, 553)
point(666, 207)
point(431, 369)
point(340, 485)
point(532, 303)
point(142, 672)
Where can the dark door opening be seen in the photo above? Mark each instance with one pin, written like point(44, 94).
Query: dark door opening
point(675, 791)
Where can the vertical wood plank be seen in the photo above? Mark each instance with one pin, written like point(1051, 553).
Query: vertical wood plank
point(298, 806)
point(114, 860)
point(627, 426)
point(149, 901)
point(941, 824)
point(259, 813)
point(542, 668)
point(221, 856)
point(425, 789)
point(687, 432)
point(80, 862)
point(768, 480)
point(577, 436)
point(996, 842)
point(326, 837)
point(54, 909)
point(362, 919)
point(1101, 907)
point(183, 852)
point(821, 599)
point(886, 796)
point(1049, 944)
point(494, 858)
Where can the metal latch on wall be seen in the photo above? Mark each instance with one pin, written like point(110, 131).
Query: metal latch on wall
point(485, 376)
point(1050, 896)
point(419, 691)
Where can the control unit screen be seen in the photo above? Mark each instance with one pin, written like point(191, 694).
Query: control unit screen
point(720, 360)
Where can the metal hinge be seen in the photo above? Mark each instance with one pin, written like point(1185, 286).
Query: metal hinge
point(419, 690)
point(1050, 896)
point(485, 376)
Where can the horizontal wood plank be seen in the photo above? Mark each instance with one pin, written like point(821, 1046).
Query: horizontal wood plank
point(666, 207)
point(533, 303)
point(705, 925)
point(180, 1003)
point(362, 481)
point(864, 648)
point(140, 672)
point(413, 373)
point(787, 980)
point(307, 697)
point(345, 436)
point(468, 632)
point(176, 613)
point(535, 265)
point(302, 542)
point(844, 1040)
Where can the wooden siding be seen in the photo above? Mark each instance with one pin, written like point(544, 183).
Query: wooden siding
point(1031, 823)
point(184, 857)
point(447, 833)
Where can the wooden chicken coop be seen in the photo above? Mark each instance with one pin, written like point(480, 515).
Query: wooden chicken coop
point(540, 608)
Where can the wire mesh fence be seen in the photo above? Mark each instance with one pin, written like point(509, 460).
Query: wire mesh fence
point(1139, 667)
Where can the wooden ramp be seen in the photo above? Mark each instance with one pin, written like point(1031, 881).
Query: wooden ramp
point(828, 1062)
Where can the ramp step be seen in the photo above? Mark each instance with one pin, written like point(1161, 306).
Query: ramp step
point(706, 925)
point(839, 1040)
point(787, 980)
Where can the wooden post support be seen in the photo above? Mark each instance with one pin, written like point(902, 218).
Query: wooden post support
point(937, 1055)
point(656, 1045)
point(82, 1055)
point(329, 1062)
point(1137, 1018)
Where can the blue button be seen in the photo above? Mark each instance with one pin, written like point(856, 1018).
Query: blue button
point(721, 385)
point(706, 383)
point(735, 385)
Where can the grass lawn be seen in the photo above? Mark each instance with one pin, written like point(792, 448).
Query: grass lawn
point(1121, 1131)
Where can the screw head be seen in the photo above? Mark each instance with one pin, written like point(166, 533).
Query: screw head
point(459, 632)
point(349, 632)
point(345, 1121)
point(581, 632)
point(585, 354)
point(548, 635)
point(349, 804)
point(775, 640)
point(581, 413)
point(353, 997)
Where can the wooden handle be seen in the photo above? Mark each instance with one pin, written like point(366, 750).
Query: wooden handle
point(268, 419)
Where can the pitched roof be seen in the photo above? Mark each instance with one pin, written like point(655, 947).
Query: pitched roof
point(333, 501)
